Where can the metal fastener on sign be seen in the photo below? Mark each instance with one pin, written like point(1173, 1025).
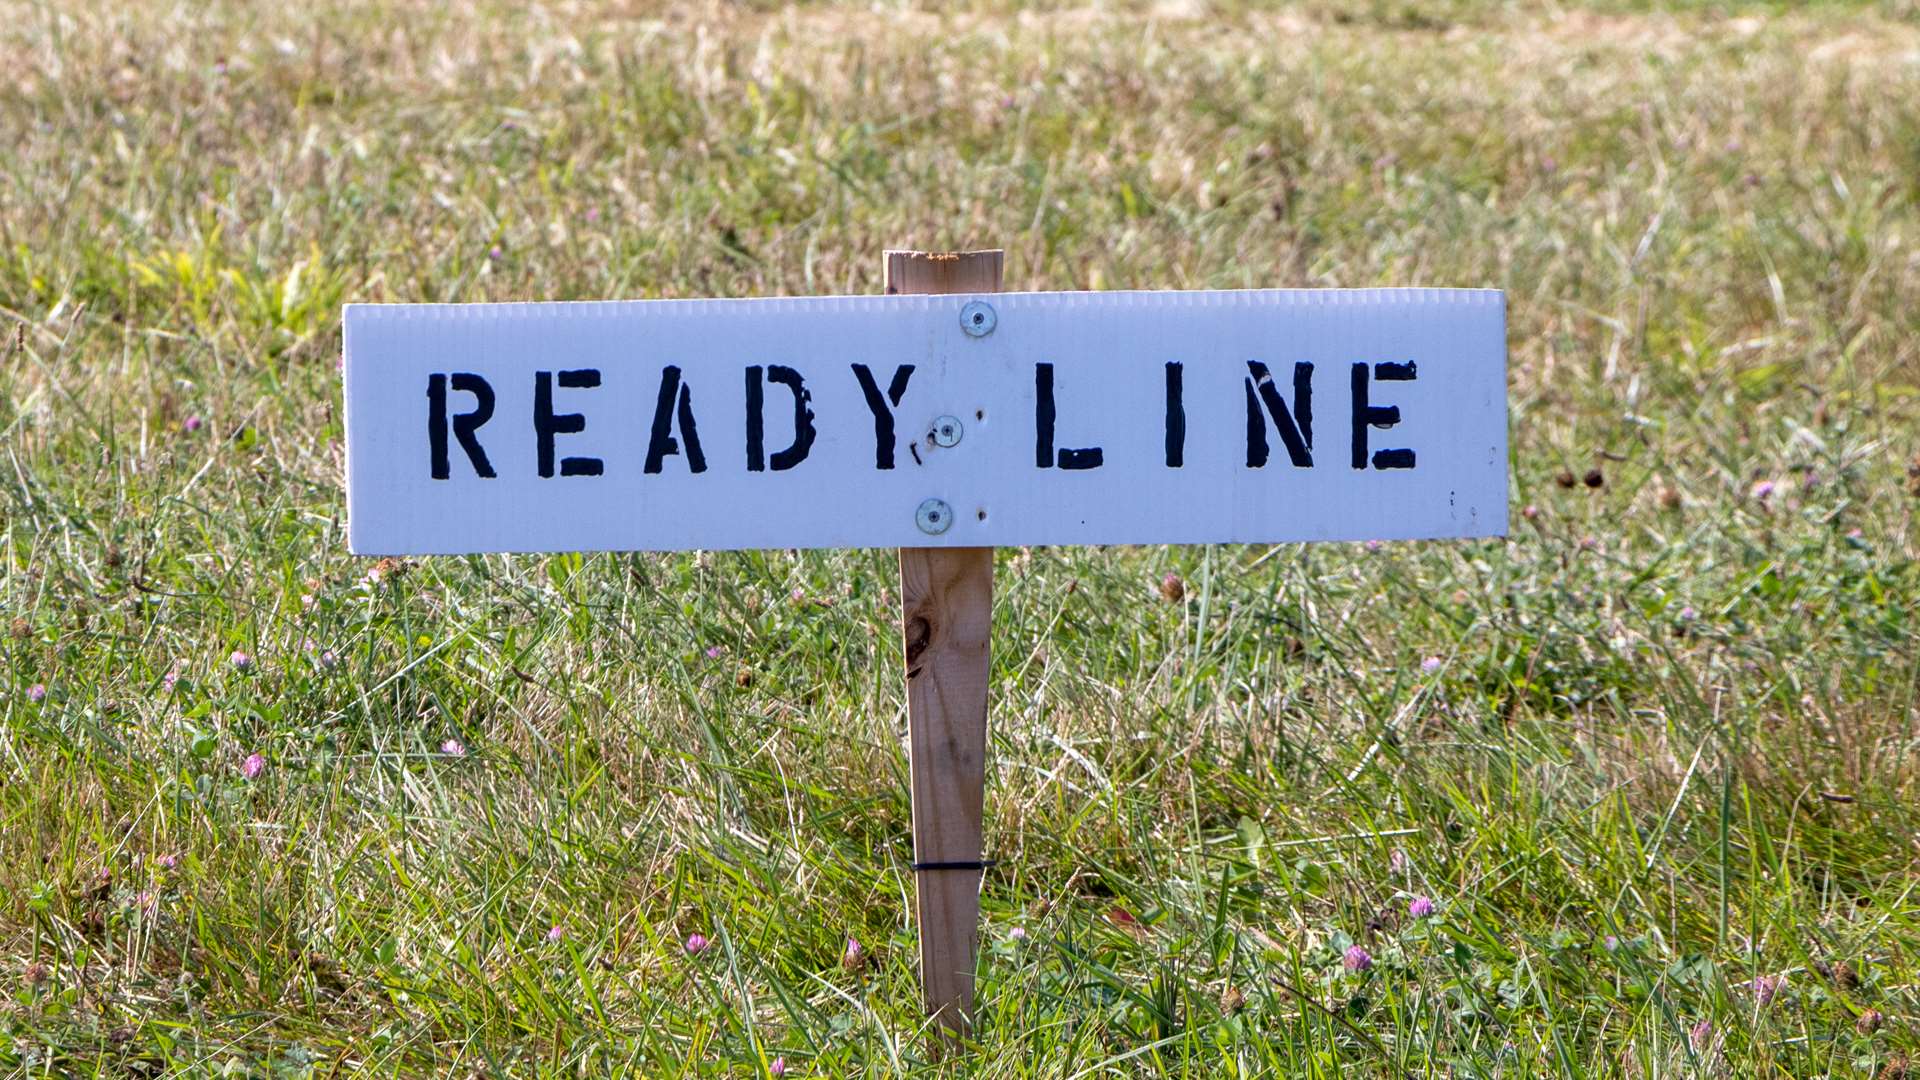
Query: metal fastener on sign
point(933, 517)
point(977, 318)
point(947, 431)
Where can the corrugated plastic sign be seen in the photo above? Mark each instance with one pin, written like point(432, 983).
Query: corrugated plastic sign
point(925, 421)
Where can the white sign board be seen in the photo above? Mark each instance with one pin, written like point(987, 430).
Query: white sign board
point(899, 421)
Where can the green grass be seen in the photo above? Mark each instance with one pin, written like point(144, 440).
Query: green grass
point(1670, 746)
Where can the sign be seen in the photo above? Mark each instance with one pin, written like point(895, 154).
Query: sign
point(927, 421)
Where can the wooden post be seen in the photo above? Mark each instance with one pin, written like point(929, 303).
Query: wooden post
point(946, 617)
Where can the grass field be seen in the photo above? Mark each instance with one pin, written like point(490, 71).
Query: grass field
point(1654, 760)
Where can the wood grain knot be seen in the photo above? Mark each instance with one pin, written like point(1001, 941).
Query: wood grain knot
point(919, 636)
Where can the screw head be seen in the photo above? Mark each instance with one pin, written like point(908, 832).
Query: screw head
point(934, 517)
point(947, 431)
point(977, 318)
